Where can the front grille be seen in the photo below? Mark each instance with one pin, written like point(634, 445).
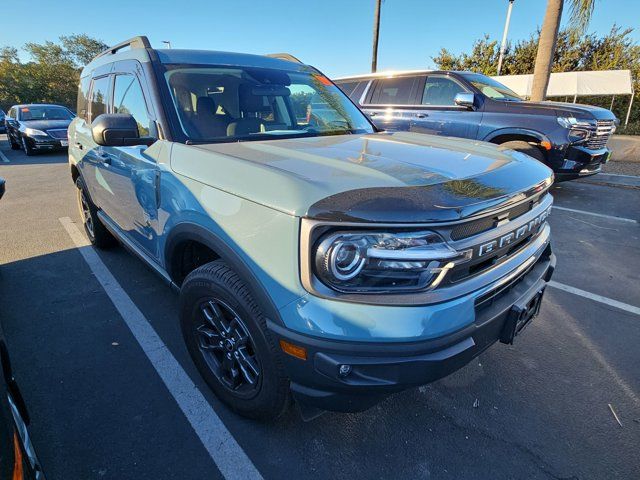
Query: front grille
point(600, 133)
point(469, 229)
point(58, 133)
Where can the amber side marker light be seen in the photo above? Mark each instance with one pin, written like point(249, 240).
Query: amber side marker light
point(293, 350)
point(546, 145)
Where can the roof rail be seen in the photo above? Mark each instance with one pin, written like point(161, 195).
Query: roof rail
point(284, 56)
point(135, 42)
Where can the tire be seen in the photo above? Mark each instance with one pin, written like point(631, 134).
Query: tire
point(524, 147)
point(96, 232)
point(14, 145)
point(27, 149)
point(213, 299)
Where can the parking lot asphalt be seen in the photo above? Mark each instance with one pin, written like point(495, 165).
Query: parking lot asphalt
point(538, 409)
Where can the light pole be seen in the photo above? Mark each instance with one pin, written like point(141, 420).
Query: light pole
point(167, 43)
point(503, 45)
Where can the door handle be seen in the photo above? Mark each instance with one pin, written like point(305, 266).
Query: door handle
point(104, 158)
point(421, 115)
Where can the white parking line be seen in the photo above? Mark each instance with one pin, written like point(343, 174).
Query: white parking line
point(601, 215)
point(598, 298)
point(4, 158)
point(228, 456)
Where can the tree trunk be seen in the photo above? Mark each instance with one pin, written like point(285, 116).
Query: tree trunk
point(546, 49)
point(376, 32)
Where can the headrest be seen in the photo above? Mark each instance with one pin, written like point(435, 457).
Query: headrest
point(205, 105)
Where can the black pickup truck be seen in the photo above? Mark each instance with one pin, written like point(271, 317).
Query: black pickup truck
point(570, 139)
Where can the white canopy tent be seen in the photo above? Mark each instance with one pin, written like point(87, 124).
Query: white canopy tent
point(575, 84)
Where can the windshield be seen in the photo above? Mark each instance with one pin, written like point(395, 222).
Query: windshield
point(44, 112)
point(227, 104)
point(491, 88)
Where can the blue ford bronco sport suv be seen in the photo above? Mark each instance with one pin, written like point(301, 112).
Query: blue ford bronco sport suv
point(570, 139)
point(316, 258)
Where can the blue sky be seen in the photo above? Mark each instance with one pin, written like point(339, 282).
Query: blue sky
point(333, 35)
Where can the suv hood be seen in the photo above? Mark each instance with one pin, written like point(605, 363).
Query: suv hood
point(380, 177)
point(563, 109)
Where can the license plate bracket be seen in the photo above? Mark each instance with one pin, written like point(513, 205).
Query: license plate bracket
point(520, 316)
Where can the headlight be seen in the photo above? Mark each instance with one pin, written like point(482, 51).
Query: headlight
point(567, 122)
point(34, 132)
point(372, 261)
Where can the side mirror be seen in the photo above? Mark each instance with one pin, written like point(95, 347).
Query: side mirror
point(465, 99)
point(117, 130)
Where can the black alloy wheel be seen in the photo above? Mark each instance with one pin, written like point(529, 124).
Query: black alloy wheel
point(228, 349)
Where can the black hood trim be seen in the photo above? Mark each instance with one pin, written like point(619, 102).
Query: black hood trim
point(443, 202)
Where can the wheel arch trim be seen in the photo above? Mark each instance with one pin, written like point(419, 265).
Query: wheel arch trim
point(187, 231)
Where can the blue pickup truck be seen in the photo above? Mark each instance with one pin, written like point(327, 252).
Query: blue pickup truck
point(570, 139)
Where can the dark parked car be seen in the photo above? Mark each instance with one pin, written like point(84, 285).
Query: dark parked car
point(38, 127)
point(2, 127)
point(571, 139)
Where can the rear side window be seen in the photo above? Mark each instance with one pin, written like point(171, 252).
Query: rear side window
point(99, 97)
point(83, 98)
point(440, 91)
point(348, 87)
point(393, 91)
point(128, 98)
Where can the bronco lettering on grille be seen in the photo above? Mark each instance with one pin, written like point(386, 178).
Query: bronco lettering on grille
point(517, 234)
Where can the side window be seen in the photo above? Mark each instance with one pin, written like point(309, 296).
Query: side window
point(82, 108)
point(12, 113)
point(347, 87)
point(128, 98)
point(99, 97)
point(440, 91)
point(393, 91)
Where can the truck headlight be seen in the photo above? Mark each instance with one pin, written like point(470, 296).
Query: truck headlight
point(373, 261)
point(567, 122)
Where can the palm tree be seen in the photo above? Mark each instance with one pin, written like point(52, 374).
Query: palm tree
point(376, 34)
point(581, 11)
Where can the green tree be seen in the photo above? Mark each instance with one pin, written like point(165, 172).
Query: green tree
point(574, 52)
point(51, 74)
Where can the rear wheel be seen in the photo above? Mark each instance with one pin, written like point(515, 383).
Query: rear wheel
point(524, 147)
point(96, 232)
point(227, 337)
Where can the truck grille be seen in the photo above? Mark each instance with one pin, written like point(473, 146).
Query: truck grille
point(475, 227)
point(58, 133)
point(600, 134)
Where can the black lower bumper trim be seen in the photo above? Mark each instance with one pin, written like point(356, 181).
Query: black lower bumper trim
point(376, 370)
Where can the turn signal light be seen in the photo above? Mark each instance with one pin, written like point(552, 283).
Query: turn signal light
point(546, 145)
point(293, 350)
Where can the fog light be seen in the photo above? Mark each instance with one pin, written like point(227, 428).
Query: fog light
point(344, 370)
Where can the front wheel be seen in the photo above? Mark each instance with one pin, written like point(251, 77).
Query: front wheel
point(524, 147)
point(28, 150)
point(227, 337)
point(12, 142)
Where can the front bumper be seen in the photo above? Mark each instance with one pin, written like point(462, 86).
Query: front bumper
point(379, 369)
point(46, 143)
point(575, 161)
